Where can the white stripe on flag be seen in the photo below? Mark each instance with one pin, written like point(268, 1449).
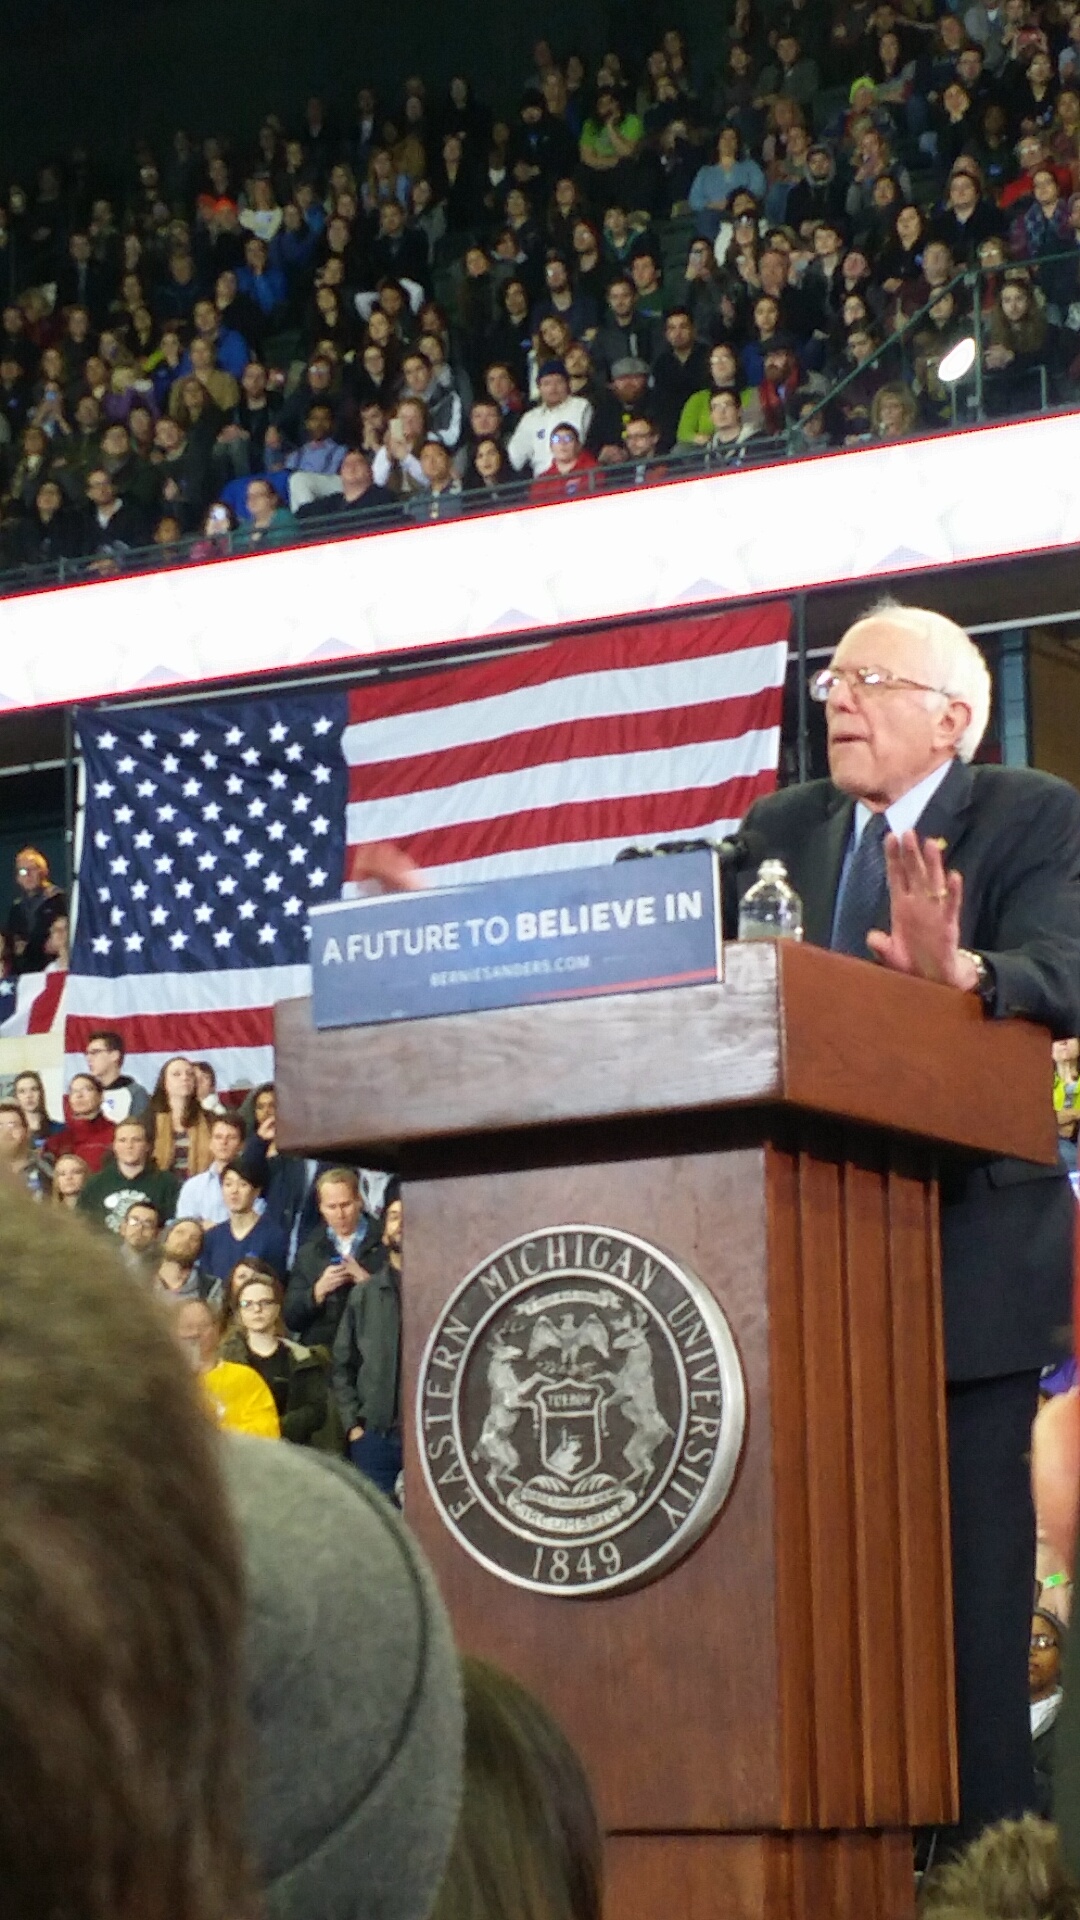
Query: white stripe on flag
point(90, 997)
point(563, 783)
point(584, 696)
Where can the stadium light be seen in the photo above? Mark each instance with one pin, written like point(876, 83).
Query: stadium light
point(958, 361)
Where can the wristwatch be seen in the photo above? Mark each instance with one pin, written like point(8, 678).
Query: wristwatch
point(985, 984)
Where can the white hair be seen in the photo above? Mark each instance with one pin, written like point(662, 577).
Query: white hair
point(954, 662)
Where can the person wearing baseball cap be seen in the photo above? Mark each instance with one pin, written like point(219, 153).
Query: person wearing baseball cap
point(530, 444)
point(625, 396)
point(353, 1690)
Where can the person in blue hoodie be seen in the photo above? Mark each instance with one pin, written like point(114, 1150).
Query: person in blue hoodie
point(262, 281)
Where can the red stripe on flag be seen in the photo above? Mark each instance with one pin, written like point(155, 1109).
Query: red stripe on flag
point(44, 1007)
point(625, 818)
point(179, 1032)
point(641, 644)
point(589, 739)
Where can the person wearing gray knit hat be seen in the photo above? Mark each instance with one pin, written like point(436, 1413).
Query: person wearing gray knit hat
point(354, 1693)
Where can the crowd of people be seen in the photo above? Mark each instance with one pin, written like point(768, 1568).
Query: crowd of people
point(286, 1278)
point(399, 308)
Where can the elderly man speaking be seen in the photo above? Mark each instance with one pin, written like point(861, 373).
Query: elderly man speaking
point(910, 857)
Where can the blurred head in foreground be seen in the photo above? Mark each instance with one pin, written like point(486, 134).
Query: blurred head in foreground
point(1013, 1871)
point(354, 1691)
point(214, 1652)
point(528, 1844)
point(121, 1717)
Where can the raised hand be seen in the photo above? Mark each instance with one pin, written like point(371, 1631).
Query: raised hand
point(925, 906)
point(388, 866)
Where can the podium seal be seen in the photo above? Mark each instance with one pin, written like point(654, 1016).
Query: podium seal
point(580, 1411)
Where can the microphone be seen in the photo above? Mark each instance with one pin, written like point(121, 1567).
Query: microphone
point(735, 853)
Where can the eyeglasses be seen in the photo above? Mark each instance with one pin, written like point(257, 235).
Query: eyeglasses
point(246, 1306)
point(868, 679)
point(1043, 1642)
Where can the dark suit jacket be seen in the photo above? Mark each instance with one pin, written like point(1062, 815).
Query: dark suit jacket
point(1014, 834)
point(317, 1322)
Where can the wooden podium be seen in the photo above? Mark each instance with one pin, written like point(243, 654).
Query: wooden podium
point(766, 1721)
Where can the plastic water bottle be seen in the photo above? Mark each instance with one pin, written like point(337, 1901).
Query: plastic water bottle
point(771, 908)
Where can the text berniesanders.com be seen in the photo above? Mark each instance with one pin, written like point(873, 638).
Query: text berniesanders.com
point(513, 970)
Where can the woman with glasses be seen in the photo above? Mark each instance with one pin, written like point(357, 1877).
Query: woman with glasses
point(298, 1377)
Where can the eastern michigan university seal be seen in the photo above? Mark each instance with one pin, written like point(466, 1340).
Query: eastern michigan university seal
point(580, 1410)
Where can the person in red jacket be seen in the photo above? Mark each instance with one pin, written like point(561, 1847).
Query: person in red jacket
point(1032, 152)
point(568, 474)
point(86, 1130)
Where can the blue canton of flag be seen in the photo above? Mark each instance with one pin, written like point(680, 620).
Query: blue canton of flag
point(207, 832)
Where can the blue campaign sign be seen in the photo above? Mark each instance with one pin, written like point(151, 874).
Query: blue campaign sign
point(504, 943)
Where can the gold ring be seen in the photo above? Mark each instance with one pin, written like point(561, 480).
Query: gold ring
point(939, 897)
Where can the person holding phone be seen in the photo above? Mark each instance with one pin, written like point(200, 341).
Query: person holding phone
point(217, 530)
point(332, 1261)
point(397, 463)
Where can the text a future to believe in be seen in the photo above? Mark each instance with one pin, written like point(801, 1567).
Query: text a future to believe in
point(494, 930)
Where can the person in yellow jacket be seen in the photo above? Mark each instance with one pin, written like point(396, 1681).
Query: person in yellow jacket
point(238, 1399)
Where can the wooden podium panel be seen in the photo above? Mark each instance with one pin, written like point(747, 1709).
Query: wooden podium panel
point(791, 1026)
point(745, 1876)
point(793, 1659)
point(766, 1720)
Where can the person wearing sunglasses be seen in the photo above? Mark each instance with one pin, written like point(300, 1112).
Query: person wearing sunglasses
point(911, 857)
point(570, 472)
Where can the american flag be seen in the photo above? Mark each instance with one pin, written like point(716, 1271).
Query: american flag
point(206, 833)
point(559, 756)
point(208, 830)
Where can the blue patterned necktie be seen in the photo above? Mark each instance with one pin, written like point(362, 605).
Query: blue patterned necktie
point(863, 888)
